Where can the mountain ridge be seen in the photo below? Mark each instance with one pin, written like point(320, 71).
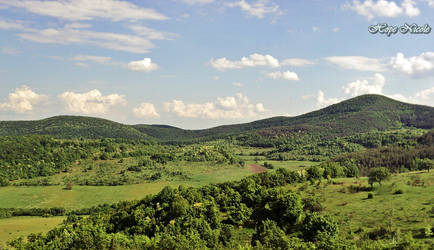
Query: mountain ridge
point(358, 114)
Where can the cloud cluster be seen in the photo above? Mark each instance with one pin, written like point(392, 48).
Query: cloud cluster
point(296, 62)
point(145, 65)
point(256, 9)
point(22, 100)
point(254, 60)
point(420, 65)
point(322, 101)
point(78, 10)
point(383, 8)
point(287, 75)
point(145, 110)
point(361, 87)
point(237, 107)
point(92, 102)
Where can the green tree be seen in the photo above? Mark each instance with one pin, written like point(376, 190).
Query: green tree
point(378, 175)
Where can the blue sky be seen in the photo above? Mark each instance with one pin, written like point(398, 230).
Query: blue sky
point(202, 63)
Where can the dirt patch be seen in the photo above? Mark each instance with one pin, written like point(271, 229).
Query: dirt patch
point(256, 168)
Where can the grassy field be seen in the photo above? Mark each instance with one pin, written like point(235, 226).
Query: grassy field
point(412, 210)
point(15, 227)
point(88, 196)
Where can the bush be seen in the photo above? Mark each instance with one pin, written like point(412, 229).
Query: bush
point(370, 196)
point(378, 175)
point(316, 225)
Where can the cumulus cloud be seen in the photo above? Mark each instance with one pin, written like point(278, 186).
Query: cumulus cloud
point(287, 75)
point(383, 8)
point(145, 65)
point(430, 3)
point(78, 10)
point(92, 102)
point(237, 107)
point(359, 63)
point(420, 65)
point(22, 100)
point(145, 110)
point(322, 101)
point(360, 87)
point(254, 60)
point(256, 9)
point(296, 62)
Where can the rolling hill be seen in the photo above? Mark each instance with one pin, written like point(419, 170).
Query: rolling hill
point(359, 114)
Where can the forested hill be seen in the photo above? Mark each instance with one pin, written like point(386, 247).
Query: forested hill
point(72, 127)
point(359, 114)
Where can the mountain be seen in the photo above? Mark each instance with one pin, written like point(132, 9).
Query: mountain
point(360, 114)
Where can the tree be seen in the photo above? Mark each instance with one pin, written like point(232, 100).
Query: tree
point(378, 175)
point(316, 226)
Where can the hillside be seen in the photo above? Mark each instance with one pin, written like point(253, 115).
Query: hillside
point(71, 127)
point(360, 114)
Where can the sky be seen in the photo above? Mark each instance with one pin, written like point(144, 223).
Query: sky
point(203, 63)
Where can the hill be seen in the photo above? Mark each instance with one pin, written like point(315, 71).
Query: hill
point(360, 114)
point(71, 127)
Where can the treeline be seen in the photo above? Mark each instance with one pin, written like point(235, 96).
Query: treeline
point(397, 158)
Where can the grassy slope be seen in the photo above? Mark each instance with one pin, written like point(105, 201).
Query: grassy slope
point(15, 227)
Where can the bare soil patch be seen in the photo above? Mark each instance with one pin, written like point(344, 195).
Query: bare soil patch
point(254, 168)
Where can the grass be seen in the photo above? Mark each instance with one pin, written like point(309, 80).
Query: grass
point(15, 227)
point(88, 196)
point(413, 210)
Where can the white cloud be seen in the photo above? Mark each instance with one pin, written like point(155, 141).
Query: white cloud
point(360, 87)
point(150, 33)
point(336, 29)
point(414, 66)
point(237, 107)
point(145, 65)
point(321, 101)
point(193, 2)
point(430, 3)
point(96, 59)
point(423, 97)
point(287, 75)
point(92, 102)
point(360, 63)
point(68, 35)
point(237, 84)
point(383, 8)
point(296, 62)
point(254, 60)
point(315, 28)
point(77, 10)
point(22, 100)
point(145, 110)
point(8, 25)
point(256, 9)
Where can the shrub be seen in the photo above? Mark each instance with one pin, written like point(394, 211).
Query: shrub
point(370, 196)
point(316, 225)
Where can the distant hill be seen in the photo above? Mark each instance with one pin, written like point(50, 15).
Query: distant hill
point(72, 127)
point(359, 114)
